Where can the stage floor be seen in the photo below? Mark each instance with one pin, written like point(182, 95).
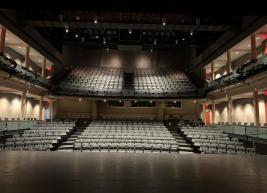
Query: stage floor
point(69, 172)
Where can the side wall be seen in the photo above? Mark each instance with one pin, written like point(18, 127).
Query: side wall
point(10, 105)
point(243, 111)
point(73, 107)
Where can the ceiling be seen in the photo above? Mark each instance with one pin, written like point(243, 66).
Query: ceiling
point(150, 29)
point(239, 50)
point(19, 46)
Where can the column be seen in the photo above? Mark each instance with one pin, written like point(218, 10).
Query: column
point(212, 71)
point(2, 38)
point(253, 47)
point(229, 62)
point(212, 112)
point(94, 110)
point(204, 112)
point(160, 111)
point(265, 101)
point(256, 108)
point(41, 108)
point(22, 105)
point(51, 110)
point(229, 109)
point(27, 57)
point(43, 67)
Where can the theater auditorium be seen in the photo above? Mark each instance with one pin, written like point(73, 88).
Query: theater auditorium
point(132, 99)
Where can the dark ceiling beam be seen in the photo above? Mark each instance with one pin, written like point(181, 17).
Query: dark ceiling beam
point(30, 36)
point(230, 39)
point(133, 26)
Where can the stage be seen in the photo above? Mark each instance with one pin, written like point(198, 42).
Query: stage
point(69, 172)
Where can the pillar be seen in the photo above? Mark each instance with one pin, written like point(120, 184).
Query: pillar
point(256, 108)
point(204, 113)
point(51, 110)
point(94, 110)
point(229, 62)
point(265, 101)
point(212, 111)
point(27, 57)
point(160, 111)
point(229, 109)
point(212, 71)
point(41, 108)
point(43, 67)
point(253, 47)
point(22, 105)
point(2, 38)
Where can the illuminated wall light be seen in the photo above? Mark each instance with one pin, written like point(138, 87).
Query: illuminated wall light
point(19, 47)
point(151, 50)
point(183, 39)
point(194, 101)
point(174, 102)
point(104, 100)
point(107, 49)
point(120, 101)
point(135, 101)
point(130, 31)
point(104, 40)
point(155, 41)
point(151, 101)
point(80, 99)
point(76, 35)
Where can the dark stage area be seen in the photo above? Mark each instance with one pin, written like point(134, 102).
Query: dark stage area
point(49, 172)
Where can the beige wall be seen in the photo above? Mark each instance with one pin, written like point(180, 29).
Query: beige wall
point(220, 112)
point(10, 105)
point(72, 107)
point(243, 111)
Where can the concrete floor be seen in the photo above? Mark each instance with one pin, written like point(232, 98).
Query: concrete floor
point(69, 172)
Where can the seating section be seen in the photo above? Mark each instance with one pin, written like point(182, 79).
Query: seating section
point(214, 141)
point(11, 67)
point(96, 81)
point(126, 136)
point(158, 82)
point(42, 136)
point(99, 81)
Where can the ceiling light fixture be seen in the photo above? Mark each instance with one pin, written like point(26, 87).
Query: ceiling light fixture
point(67, 29)
point(95, 19)
point(191, 33)
point(163, 21)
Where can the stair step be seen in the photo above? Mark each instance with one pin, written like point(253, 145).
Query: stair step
point(71, 139)
point(185, 149)
point(65, 147)
point(68, 143)
point(186, 152)
point(183, 144)
point(65, 150)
